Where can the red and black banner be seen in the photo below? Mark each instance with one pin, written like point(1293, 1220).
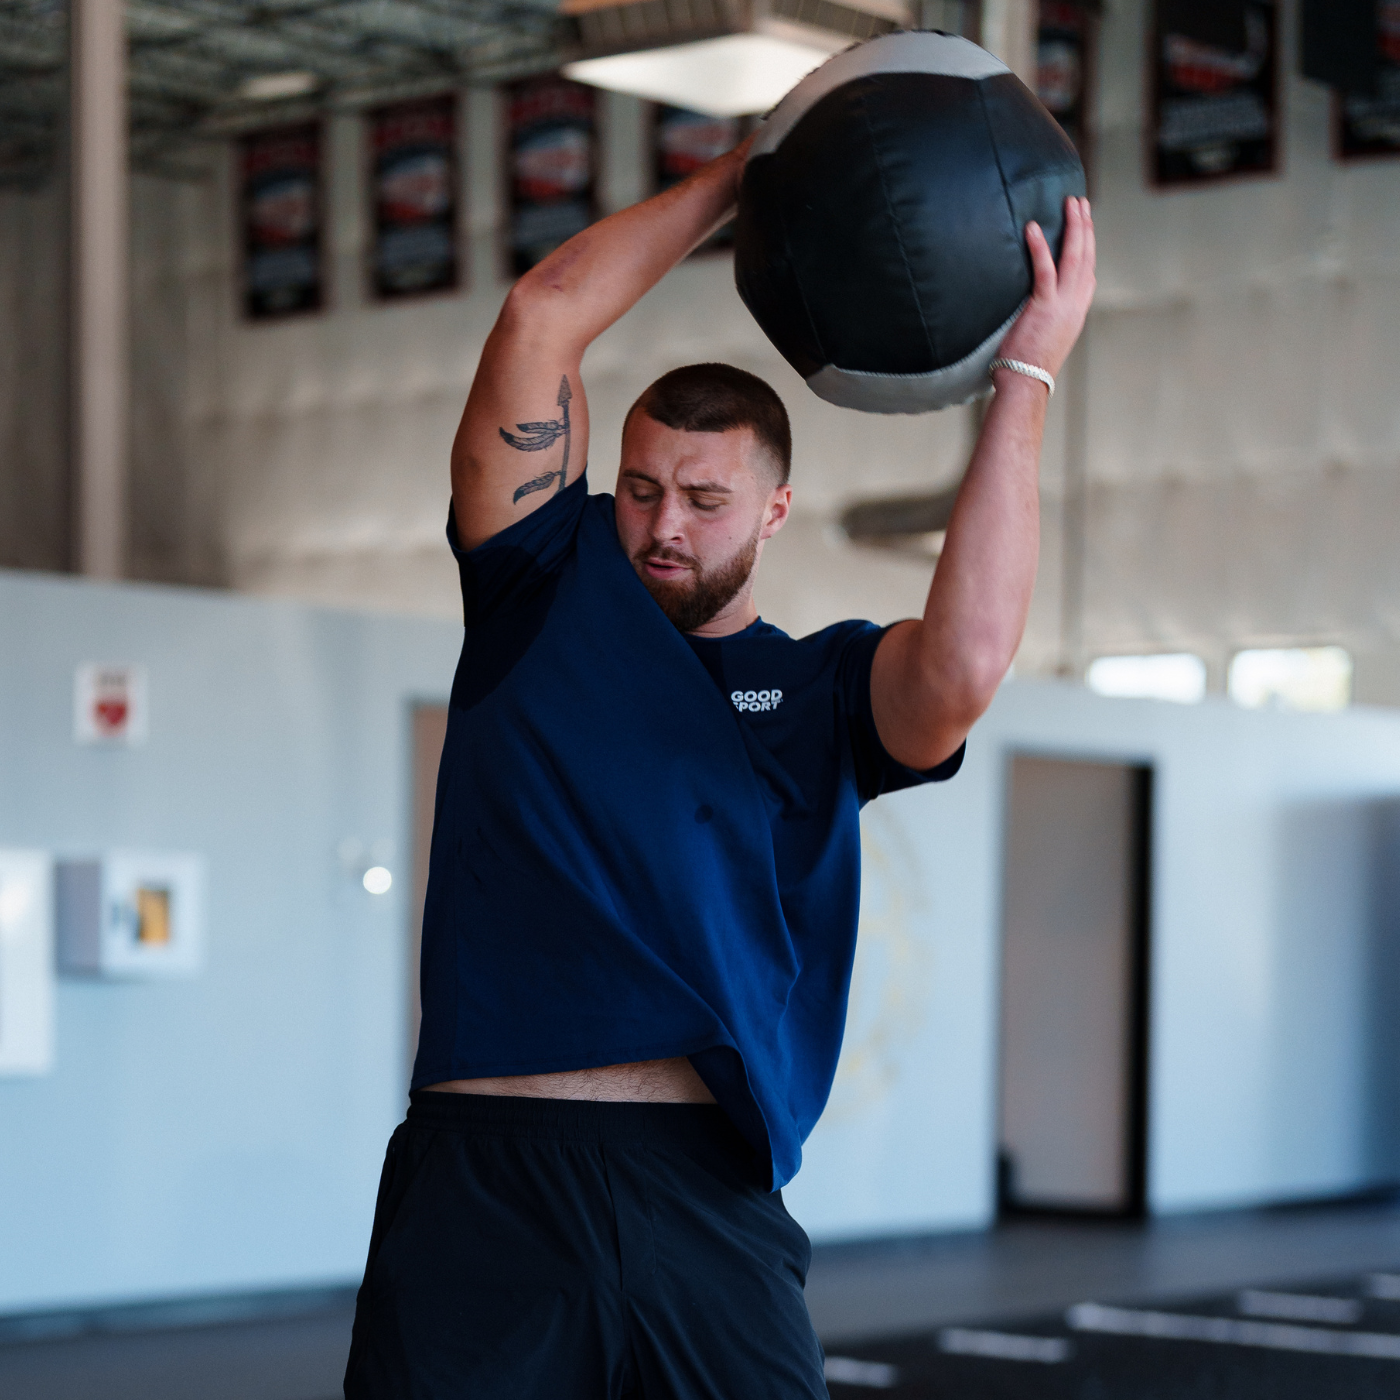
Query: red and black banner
point(280, 211)
point(682, 141)
point(413, 163)
point(1064, 68)
point(1214, 85)
point(1368, 124)
point(552, 145)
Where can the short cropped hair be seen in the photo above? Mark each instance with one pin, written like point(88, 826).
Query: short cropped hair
point(717, 399)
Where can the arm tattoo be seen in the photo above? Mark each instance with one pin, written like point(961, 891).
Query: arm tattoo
point(538, 436)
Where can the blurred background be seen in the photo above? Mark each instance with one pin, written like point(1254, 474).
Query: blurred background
point(1127, 989)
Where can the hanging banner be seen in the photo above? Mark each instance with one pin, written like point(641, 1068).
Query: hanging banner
point(1064, 66)
point(552, 145)
point(1370, 126)
point(1214, 90)
point(413, 164)
point(280, 209)
point(682, 142)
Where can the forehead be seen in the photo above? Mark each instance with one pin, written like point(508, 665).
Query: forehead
point(673, 456)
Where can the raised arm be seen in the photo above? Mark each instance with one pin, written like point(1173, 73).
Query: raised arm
point(932, 679)
point(524, 432)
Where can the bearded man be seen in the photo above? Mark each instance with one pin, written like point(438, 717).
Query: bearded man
point(641, 910)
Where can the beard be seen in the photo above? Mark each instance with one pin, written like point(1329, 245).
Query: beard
point(693, 602)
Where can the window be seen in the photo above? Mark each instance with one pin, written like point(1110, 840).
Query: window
point(1178, 676)
point(1291, 678)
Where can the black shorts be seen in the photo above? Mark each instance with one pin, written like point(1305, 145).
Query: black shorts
point(546, 1249)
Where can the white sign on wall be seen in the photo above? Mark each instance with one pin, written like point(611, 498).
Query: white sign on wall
point(109, 704)
point(26, 962)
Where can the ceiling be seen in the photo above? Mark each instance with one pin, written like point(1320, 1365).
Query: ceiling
point(189, 60)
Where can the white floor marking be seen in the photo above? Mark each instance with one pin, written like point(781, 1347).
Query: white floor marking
point(1004, 1346)
point(846, 1370)
point(1299, 1307)
point(1276, 1336)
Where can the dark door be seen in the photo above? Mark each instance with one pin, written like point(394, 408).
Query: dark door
point(1073, 1040)
point(429, 731)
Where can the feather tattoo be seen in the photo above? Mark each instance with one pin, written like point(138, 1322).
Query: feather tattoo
point(536, 437)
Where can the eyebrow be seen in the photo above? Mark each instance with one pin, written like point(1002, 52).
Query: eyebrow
point(708, 488)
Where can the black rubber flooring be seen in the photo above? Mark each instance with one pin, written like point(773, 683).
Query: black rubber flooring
point(293, 1346)
point(1329, 1339)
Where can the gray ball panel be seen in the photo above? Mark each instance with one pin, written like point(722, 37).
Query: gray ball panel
point(912, 393)
point(921, 51)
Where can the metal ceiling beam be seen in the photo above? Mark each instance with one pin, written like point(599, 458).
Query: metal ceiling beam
point(189, 61)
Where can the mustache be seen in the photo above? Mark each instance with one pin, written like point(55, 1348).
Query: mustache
point(666, 554)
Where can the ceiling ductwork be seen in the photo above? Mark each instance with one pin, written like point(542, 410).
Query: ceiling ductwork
point(910, 525)
point(206, 68)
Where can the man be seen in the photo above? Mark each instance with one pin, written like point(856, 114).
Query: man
point(645, 866)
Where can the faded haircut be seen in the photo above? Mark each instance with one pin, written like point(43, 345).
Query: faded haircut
point(718, 399)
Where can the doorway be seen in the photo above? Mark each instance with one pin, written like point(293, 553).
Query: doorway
point(1074, 991)
point(429, 734)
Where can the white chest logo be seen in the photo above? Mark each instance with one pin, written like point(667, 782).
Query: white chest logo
point(756, 699)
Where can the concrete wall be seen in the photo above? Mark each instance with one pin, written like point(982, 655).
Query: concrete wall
point(1241, 443)
point(309, 457)
point(34, 503)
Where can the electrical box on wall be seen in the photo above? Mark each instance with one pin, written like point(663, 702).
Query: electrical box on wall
point(131, 914)
point(26, 962)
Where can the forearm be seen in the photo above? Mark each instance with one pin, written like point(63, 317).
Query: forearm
point(980, 596)
point(933, 678)
point(598, 275)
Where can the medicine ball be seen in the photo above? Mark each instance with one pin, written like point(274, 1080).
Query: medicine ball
point(880, 239)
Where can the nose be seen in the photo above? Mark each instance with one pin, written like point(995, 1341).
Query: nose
point(667, 521)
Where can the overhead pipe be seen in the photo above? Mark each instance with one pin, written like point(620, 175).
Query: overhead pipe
point(99, 298)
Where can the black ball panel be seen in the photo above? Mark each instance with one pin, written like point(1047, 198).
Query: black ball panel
point(1028, 139)
point(1039, 162)
point(763, 272)
point(844, 246)
point(966, 265)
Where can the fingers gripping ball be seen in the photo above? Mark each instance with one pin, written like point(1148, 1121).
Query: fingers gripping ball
point(880, 240)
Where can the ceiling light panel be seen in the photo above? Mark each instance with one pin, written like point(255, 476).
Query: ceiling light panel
point(730, 76)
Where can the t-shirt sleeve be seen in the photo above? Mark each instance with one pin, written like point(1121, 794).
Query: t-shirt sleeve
point(512, 564)
point(876, 771)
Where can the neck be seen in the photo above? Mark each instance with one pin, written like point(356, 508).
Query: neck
point(738, 613)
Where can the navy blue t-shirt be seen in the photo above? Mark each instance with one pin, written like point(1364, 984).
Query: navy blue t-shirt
point(646, 844)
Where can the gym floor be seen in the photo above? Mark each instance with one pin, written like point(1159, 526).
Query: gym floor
point(292, 1347)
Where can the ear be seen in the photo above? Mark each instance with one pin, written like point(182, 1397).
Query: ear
point(776, 514)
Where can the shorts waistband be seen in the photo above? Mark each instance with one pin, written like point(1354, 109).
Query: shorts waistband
point(580, 1120)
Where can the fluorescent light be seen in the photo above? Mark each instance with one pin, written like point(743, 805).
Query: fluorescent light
point(1178, 676)
point(731, 76)
point(267, 87)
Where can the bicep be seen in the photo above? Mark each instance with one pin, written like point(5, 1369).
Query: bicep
point(919, 722)
point(524, 433)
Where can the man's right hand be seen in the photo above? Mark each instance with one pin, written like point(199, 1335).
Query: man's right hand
point(524, 432)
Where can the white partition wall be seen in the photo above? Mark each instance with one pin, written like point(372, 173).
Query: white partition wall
point(1274, 1054)
point(225, 1132)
